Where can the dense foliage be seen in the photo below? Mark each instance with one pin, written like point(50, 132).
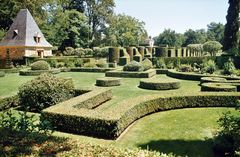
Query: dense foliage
point(229, 67)
point(232, 27)
point(44, 91)
point(133, 66)
point(170, 38)
point(40, 65)
point(212, 47)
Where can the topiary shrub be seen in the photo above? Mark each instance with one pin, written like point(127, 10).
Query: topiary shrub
point(229, 67)
point(133, 66)
point(147, 64)
point(40, 65)
point(44, 91)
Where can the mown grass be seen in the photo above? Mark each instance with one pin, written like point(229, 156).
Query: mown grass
point(185, 132)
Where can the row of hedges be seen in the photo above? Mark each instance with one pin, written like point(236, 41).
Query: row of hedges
point(195, 76)
point(112, 122)
point(141, 74)
point(100, 70)
point(28, 72)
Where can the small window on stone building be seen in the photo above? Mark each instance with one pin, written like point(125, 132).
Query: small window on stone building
point(15, 33)
point(37, 37)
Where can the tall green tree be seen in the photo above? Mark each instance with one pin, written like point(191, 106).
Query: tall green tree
point(232, 26)
point(195, 37)
point(125, 30)
point(170, 38)
point(98, 13)
point(215, 32)
point(10, 8)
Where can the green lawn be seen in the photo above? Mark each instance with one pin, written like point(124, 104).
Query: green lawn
point(181, 132)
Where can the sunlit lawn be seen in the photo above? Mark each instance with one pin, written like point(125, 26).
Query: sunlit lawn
point(181, 132)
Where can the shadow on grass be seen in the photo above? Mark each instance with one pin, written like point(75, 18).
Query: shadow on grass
point(191, 148)
point(19, 144)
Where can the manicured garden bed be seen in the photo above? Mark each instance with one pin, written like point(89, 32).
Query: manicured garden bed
point(128, 74)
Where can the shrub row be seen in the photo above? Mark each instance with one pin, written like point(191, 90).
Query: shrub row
point(28, 72)
point(8, 102)
point(108, 81)
point(218, 87)
point(159, 84)
point(212, 79)
point(142, 74)
point(195, 76)
point(112, 122)
point(100, 70)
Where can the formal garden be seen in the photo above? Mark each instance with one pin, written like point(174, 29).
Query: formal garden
point(107, 89)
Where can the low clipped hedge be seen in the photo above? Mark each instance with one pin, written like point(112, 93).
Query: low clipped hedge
point(108, 81)
point(127, 74)
point(28, 72)
point(2, 73)
point(99, 70)
point(111, 123)
point(13, 70)
point(8, 102)
point(161, 71)
point(159, 84)
point(212, 79)
point(195, 76)
point(218, 87)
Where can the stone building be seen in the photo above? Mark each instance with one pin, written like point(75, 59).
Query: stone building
point(24, 39)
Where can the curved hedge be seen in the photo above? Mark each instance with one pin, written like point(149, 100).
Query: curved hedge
point(29, 72)
point(212, 79)
point(108, 81)
point(195, 76)
point(40, 65)
point(218, 87)
point(159, 84)
point(110, 123)
point(131, 74)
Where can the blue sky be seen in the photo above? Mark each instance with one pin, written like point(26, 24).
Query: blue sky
point(178, 15)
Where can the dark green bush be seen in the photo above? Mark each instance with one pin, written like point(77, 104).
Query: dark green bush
point(40, 65)
point(229, 67)
point(44, 91)
point(8, 102)
point(133, 66)
point(53, 63)
point(160, 63)
point(147, 64)
point(185, 68)
point(78, 62)
point(227, 140)
point(208, 66)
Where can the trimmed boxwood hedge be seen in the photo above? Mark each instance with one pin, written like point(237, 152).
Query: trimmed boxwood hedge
point(195, 76)
point(159, 84)
point(28, 72)
point(108, 81)
point(218, 87)
point(212, 79)
point(112, 122)
point(127, 74)
point(100, 70)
